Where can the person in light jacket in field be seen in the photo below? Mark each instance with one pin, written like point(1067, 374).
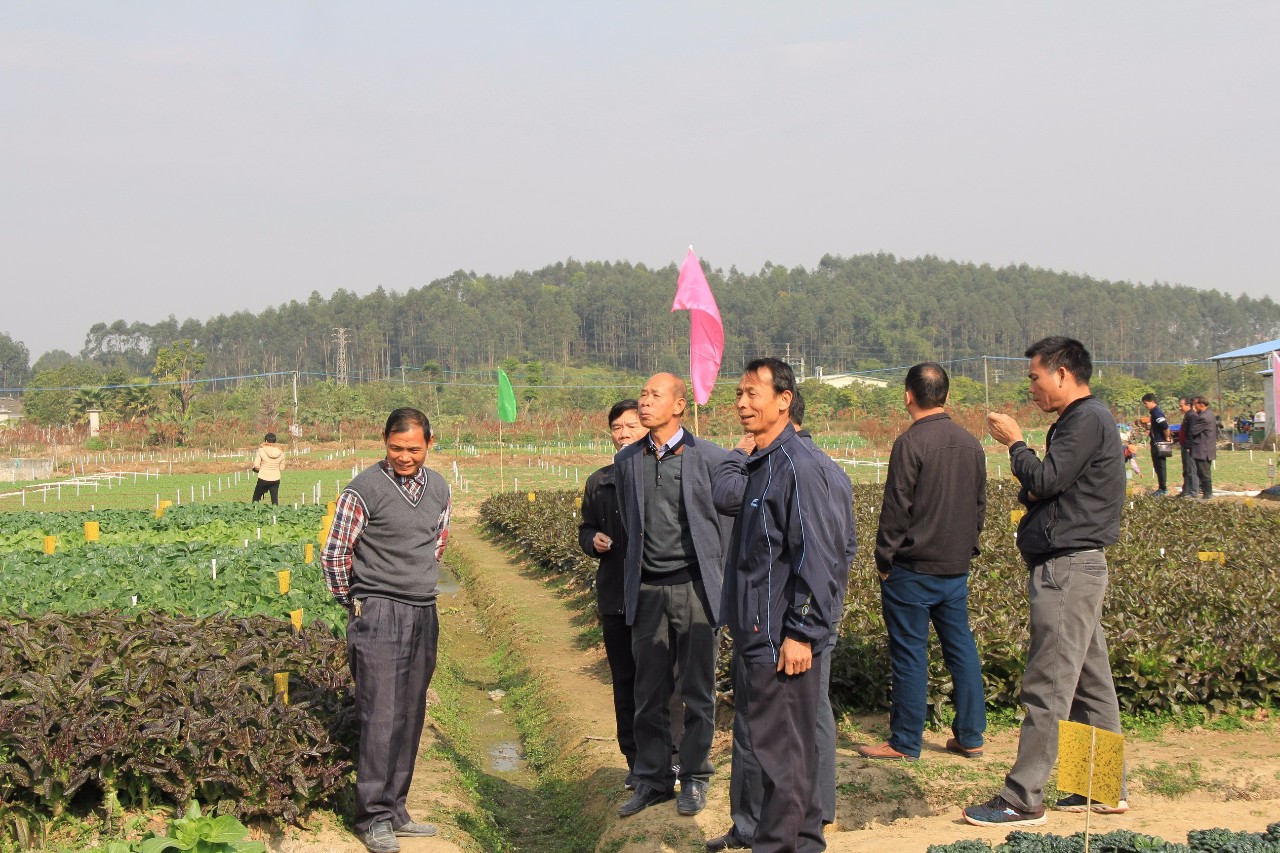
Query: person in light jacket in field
point(267, 464)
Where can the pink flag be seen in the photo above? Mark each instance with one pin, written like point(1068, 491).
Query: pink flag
point(706, 332)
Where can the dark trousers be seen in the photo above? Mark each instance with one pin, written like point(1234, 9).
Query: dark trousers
point(672, 629)
point(1160, 464)
point(261, 487)
point(391, 648)
point(1190, 479)
point(1204, 471)
point(622, 668)
point(746, 789)
point(910, 601)
point(781, 714)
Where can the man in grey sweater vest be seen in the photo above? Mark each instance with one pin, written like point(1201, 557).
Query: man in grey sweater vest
point(382, 562)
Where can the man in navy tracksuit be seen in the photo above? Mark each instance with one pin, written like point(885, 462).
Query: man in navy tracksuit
point(780, 594)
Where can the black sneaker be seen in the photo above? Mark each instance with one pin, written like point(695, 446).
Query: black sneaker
point(1078, 803)
point(693, 797)
point(1000, 812)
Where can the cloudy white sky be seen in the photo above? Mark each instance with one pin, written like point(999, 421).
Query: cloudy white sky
point(200, 158)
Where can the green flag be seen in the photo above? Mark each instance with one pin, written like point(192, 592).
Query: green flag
point(506, 398)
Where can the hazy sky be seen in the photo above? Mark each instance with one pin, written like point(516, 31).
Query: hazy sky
point(199, 158)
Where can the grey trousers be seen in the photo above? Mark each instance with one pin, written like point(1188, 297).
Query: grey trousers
point(1068, 675)
point(745, 785)
point(671, 631)
point(391, 649)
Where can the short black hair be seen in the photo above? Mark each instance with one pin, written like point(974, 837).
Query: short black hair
point(784, 378)
point(269, 438)
point(1148, 398)
point(929, 384)
point(405, 419)
point(796, 414)
point(1058, 351)
point(1201, 400)
point(622, 407)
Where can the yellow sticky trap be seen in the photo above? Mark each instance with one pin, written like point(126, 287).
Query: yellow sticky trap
point(1219, 557)
point(331, 508)
point(284, 576)
point(295, 616)
point(1090, 762)
point(1015, 515)
point(50, 544)
point(162, 507)
point(91, 531)
point(282, 687)
point(533, 496)
point(309, 553)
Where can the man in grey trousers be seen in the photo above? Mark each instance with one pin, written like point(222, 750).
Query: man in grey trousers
point(382, 562)
point(1073, 497)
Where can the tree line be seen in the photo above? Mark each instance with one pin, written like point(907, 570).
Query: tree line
point(846, 314)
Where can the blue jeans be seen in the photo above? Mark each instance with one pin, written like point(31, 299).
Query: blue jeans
point(910, 601)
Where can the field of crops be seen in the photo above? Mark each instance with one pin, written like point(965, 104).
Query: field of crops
point(160, 663)
point(1192, 614)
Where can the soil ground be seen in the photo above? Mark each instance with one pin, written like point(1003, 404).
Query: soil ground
point(1179, 779)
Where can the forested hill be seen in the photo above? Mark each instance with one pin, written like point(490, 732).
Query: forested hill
point(847, 313)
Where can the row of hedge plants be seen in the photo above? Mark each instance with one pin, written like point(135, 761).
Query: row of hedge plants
point(1192, 611)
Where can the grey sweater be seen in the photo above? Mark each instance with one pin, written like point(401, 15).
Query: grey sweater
point(395, 556)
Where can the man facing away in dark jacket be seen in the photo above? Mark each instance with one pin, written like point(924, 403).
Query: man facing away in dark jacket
point(1073, 496)
point(935, 501)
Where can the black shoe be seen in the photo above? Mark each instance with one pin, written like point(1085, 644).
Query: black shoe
point(693, 797)
point(731, 840)
point(644, 797)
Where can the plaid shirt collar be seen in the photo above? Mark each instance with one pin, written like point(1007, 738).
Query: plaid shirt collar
point(412, 486)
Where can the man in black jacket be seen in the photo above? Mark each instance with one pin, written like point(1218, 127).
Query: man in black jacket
point(935, 501)
point(1159, 432)
point(600, 535)
point(1073, 497)
point(1190, 478)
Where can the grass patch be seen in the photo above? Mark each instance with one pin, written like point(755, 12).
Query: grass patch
point(561, 788)
point(1171, 779)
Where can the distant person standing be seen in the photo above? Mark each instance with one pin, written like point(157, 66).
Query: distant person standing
point(1204, 445)
point(1190, 479)
point(934, 507)
point(267, 464)
point(1074, 496)
point(600, 535)
point(1159, 432)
